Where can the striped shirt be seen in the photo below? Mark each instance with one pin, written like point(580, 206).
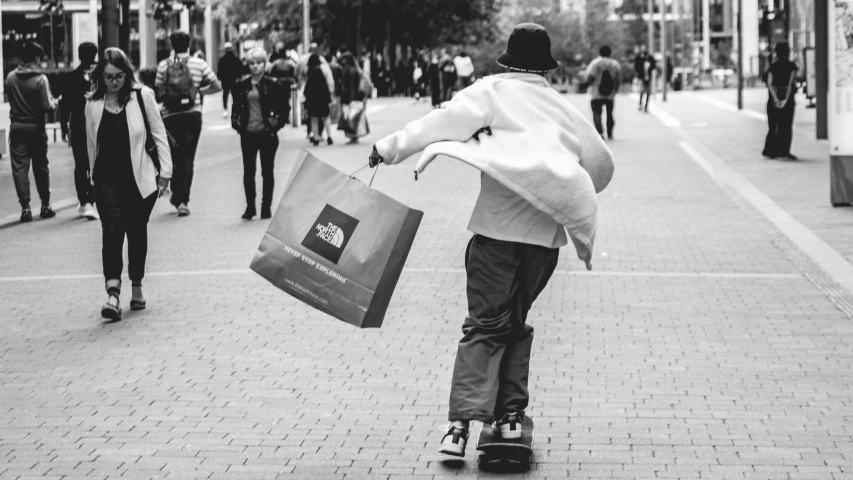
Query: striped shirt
point(203, 78)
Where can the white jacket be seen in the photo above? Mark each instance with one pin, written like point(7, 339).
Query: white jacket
point(541, 147)
point(144, 171)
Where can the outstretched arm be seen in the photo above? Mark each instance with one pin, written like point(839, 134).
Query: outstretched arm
point(458, 119)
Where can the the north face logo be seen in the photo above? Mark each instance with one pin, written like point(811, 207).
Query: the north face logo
point(330, 234)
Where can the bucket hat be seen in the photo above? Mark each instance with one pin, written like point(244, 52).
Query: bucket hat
point(528, 50)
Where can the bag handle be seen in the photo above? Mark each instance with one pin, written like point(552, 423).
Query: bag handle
point(353, 174)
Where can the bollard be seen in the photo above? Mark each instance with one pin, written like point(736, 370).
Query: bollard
point(295, 111)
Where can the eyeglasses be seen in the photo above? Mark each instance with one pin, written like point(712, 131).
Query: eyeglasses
point(118, 77)
point(257, 62)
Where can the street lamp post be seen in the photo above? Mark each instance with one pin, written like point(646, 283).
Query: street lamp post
point(306, 24)
point(739, 20)
point(665, 68)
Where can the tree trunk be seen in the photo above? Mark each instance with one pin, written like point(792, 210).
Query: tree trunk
point(360, 7)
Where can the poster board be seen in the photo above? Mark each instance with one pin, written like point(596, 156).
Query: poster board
point(84, 28)
point(841, 78)
point(811, 74)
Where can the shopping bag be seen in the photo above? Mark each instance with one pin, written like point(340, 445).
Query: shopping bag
point(336, 244)
point(335, 110)
point(353, 120)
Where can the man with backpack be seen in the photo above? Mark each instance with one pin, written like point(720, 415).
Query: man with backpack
point(603, 78)
point(181, 79)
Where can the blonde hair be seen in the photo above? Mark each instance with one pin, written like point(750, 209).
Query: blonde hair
point(257, 52)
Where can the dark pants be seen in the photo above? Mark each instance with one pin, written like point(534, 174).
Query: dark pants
point(447, 85)
point(647, 91)
point(780, 133)
point(252, 144)
point(185, 128)
point(596, 115)
point(493, 357)
point(28, 144)
point(226, 90)
point(123, 213)
point(82, 176)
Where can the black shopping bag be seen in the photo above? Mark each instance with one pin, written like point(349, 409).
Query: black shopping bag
point(336, 244)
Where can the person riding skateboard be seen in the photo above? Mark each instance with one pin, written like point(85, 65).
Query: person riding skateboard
point(541, 164)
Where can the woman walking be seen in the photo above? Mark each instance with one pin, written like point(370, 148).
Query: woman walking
point(260, 109)
point(317, 100)
point(131, 166)
point(780, 105)
point(353, 99)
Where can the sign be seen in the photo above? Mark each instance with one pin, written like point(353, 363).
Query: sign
point(811, 74)
point(841, 78)
point(84, 28)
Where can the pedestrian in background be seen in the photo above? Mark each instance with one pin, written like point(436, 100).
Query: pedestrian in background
point(448, 76)
point(603, 77)
point(539, 148)
point(120, 116)
point(229, 70)
point(76, 86)
point(645, 66)
point(353, 98)
point(181, 80)
point(433, 78)
point(260, 110)
point(780, 105)
point(317, 101)
point(28, 93)
point(464, 69)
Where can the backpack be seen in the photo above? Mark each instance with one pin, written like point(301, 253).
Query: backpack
point(179, 90)
point(605, 87)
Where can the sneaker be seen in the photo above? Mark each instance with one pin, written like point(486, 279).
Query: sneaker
point(225, 114)
point(329, 141)
point(26, 215)
point(90, 212)
point(47, 212)
point(183, 210)
point(509, 426)
point(454, 441)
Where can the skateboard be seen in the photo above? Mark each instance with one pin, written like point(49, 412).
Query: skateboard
point(506, 455)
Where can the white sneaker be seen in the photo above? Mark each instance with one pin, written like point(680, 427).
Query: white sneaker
point(510, 425)
point(81, 210)
point(225, 114)
point(90, 212)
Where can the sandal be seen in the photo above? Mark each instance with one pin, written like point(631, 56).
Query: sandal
point(111, 309)
point(137, 301)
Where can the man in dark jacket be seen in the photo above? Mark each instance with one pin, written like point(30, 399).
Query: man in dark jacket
point(28, 92)
point(261, 108)
point(229, 70)
point(76, 85)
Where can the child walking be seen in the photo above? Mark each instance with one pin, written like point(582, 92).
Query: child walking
point(541, 165)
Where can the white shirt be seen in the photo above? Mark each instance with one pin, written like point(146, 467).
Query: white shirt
point(464, 66)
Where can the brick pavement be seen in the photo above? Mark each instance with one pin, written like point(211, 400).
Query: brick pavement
point(695, 349)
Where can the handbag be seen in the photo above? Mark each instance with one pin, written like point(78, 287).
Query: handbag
point(150, 144)
point(336, 244)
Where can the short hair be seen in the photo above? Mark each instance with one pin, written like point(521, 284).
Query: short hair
point(782, 50)
point(257, 52)
point(87, 51)
point(604, 51)
point(31, 51)
point(180, 42)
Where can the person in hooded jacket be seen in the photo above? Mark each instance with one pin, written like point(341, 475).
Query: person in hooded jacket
point(542, 164)
point(28, 92)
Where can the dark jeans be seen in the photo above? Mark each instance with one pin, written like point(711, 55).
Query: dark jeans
point(493, 357)
point(251, 144)
point(123, 213)
point(28, 144)
point(82, 175)
point(647, 91)
point(596, 115)
point(780, 132)
point(185, 128)
point(226, 90)
point(447, 89)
